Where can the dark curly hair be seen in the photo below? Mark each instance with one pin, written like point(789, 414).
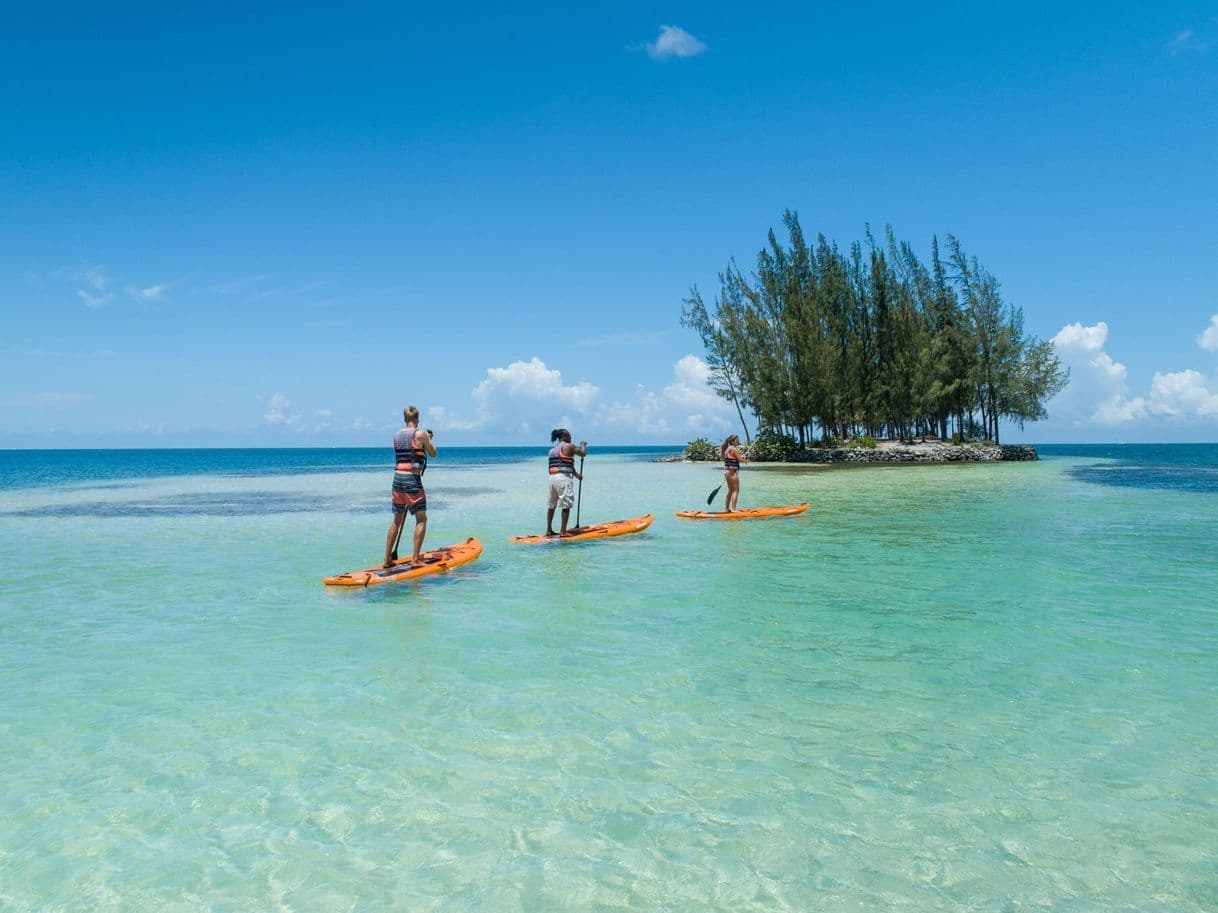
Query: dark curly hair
point(561, 434)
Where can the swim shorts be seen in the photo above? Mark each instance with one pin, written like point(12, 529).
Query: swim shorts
point(562, 491)
point(408, 493)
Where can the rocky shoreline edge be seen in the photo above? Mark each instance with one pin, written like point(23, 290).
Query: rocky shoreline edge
point(893, 452)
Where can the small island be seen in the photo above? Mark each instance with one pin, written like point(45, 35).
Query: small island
point(767, 450)
point(870, 355)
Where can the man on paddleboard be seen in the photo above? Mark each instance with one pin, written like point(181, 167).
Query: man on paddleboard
point(562, 477)
point(411, 448)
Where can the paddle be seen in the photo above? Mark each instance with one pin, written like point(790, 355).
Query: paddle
point(393, 555)
point(580, 495)
point(711, 496)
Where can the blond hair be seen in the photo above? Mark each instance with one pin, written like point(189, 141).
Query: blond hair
point(411, 414)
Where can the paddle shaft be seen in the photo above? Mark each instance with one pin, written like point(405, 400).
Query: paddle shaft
point(397, 541)
point(580, 492)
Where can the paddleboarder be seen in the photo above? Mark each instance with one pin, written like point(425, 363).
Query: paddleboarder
point(562, 477)
point(732, 457)
point(411, 448)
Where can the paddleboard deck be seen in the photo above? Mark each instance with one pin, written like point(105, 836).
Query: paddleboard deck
point(436, 561)
point(600, 531)
point(752, 513)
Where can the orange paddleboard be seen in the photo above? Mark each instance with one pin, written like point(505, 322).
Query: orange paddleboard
point(753, 513)
point(600, 531)
point(434, 562)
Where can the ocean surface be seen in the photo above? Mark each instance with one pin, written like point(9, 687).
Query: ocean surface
point(982, 687)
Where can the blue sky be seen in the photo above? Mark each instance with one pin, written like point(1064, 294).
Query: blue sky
point(273, 224)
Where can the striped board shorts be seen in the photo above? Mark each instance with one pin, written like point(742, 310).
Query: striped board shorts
point(408, 493)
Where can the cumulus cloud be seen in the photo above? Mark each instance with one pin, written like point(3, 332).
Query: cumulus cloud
point(440, 419)
point(1099, 394)
point(1098, 391)
point(1208, 339)
point(528, 397)
point(1182, 393)
point(1077, 336)
point(685, 406)
point(674, 41)
point(512, 397)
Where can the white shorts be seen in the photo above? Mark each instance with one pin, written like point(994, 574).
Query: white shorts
point(562, 491)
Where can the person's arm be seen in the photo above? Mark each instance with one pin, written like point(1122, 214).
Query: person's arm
point(427, 444)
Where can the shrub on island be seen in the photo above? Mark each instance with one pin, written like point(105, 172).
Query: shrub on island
point(773, 447)
point(701, 451)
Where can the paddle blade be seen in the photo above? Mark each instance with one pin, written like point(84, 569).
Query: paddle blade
point(711, 497)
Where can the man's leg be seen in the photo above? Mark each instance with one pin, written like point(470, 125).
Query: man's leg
point(420, 530)
point(566, 515)
point(550, 521)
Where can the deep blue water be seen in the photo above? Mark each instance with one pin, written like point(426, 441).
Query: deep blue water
point(113, 468)
point(1177, 467)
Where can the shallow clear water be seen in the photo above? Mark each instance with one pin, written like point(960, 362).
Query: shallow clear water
point(942, 688)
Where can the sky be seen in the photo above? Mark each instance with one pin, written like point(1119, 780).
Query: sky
point(278, 224)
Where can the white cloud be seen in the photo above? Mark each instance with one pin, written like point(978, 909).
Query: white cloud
point(686, 406)
point(1208, 339)
point(1077, 336)
point(440, 418)
point(95, 294)
point(1099, 394)
point(1098, 391)
point(674, 41)
point(509, 395)
point(1182, 393)
point(528, 398)
point(98, 290)
point(45, 400)
point(94, 301)
point(151, 293)
point(1118, 410)
point(277, 412)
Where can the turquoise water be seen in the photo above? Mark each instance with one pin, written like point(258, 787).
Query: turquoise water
point(942, 688)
